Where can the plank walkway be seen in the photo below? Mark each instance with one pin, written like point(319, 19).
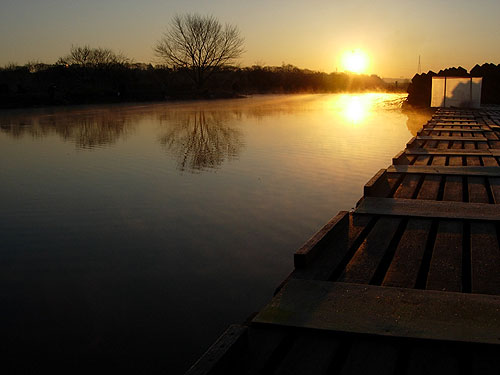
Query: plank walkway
point(407, 283)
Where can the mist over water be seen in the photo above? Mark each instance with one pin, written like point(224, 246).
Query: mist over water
point(133, 235)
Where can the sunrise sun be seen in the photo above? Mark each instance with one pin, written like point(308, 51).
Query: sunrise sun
point(355, 61)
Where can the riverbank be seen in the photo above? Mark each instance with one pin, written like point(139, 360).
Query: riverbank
point(57, 85)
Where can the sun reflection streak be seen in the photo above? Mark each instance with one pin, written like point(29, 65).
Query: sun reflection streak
point(355, 108)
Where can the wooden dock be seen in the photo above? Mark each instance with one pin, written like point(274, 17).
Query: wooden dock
point(408, 283)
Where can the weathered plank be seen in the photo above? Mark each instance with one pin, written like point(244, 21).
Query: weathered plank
point(438, 160)
point(452, 129)
point(337, 226)
point(485, 259)
point(495, 189)
point(218, 354)
point(477, 190)
point(422, 160)
point(405, 266)
point(489, 161)
point(331, 257)
point(448, 138)
point(385, 311)
point(430, 187)
point(366, 260)
point(402, 158)
point(408, 186)
point(428, 208)
point(381, 185)
point(445, 271)
point(453, 187)
point(446, 170)
point(447, 151)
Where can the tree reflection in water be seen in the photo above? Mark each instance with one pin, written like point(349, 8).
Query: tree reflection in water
point(201, 140)
point(87, 131)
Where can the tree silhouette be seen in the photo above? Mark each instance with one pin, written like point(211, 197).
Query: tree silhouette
point(92, 57)
point(199, 44)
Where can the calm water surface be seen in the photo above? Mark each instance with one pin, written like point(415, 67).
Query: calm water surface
point(132, 236)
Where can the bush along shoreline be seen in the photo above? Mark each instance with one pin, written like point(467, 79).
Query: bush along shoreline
point(38, 84)
point(419, 90)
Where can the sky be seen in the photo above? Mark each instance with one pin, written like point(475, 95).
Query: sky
point(312, 34)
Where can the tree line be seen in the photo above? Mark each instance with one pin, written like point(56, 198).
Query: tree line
point(198, 57)
point(56, 84)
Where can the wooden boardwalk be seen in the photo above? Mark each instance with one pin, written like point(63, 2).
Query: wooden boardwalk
point(408, 283)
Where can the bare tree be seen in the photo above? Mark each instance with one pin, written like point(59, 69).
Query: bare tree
point(199, 44)
point(92, 57)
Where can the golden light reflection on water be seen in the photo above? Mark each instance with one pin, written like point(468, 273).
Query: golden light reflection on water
point(355, 109)
point(204, 135)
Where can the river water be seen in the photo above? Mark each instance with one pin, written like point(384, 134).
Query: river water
point(133, 235)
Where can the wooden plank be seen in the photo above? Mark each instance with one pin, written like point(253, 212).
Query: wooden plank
point(441, 145)
point(408, 186)
point(438, 160)
point(385, 311)
point(217, 355)
point(452, 129)
point(422, 160)
point(457, 145)
point(494, 145)
point(482, 145)
point(485, 258)
point(405, 266)
point(455, 160)
point(445, 271)
point(448, 138)
point(456, 122)
point(337, 226)
point(431, 144)
point(331, 257)
point(491, 135)
point(489, 161)
point(402, 158)
point(477, 190)
point(430, 187)
point(495, 189)
point(477, 152)
point(381, 185)
point(427, 208)
point(453, 187)
point(456, 126)
point(363, 265)
point(446, 170)
point(472, 145)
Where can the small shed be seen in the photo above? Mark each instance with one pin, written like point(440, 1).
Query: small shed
point(464, 92)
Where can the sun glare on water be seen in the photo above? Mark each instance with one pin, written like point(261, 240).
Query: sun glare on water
point(355, 61)
point(355, 108)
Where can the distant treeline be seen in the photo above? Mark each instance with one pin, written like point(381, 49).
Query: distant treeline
point(419, 90)
point(67, 82)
